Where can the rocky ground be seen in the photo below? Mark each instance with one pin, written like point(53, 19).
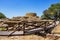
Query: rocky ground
point(29, 37)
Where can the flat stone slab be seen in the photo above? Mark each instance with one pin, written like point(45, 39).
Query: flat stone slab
point(6, 33)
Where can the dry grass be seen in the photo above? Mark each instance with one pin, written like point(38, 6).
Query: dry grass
point(56, 29)
point(28, 37)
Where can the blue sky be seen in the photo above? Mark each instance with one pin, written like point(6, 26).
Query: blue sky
point(20, 7)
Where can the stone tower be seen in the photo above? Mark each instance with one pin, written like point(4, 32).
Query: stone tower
point(31, 14)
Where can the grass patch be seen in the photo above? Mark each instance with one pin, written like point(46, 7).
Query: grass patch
point(2, 29)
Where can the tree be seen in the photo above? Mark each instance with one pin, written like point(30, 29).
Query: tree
point(46, 16)
point(53, 11)
point(2, 15)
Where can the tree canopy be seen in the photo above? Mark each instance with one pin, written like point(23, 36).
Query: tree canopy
point(2, 15)
point(53, 11)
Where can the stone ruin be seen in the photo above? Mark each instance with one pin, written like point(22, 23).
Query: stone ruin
point(11, 22)
point(29, 17)
point(31, 14)
point(31, 21)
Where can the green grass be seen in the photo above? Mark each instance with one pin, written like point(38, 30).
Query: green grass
point(2, 29)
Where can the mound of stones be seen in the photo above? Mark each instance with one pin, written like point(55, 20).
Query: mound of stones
point(27, 17)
